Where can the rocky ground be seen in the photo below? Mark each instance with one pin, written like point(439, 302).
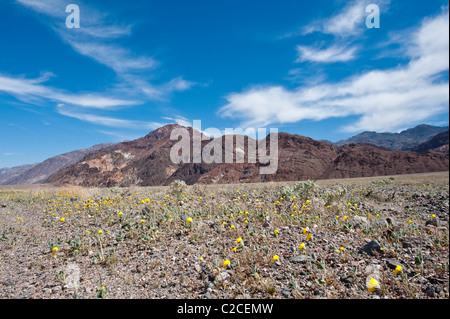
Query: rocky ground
point(298, 240)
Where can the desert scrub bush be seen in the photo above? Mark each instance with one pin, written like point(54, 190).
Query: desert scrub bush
point(306, 190)
point(177, 187)
point(382, 182)
point(287, 192)
point(334, 196)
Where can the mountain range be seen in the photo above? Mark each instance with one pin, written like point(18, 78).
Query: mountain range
point(146, 161)
point(403, 141)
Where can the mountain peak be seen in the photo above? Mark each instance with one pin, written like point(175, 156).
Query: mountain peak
point(163, 131)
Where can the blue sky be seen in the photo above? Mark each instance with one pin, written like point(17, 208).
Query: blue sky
point(306, 67)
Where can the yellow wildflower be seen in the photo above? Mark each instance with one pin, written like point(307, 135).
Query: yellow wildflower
point(397, 269)
point(373, 285)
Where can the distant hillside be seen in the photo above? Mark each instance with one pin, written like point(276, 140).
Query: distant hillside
point(404, 141)
point(439, 143)
point(10, 173)
point(37, 173)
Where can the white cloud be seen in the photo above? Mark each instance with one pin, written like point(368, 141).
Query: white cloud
point(179, 120)
point(108, 121)
point(33, 90)
point(383, 100)
point(114, 57)
point(349, 21)
point(178, 84)
point(331, 54)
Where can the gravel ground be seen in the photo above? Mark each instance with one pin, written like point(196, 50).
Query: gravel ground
point(148, 247)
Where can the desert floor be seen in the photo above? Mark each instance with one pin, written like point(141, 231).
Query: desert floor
point(329, 239)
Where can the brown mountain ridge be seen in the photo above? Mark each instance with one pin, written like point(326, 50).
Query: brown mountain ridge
point(146, 162)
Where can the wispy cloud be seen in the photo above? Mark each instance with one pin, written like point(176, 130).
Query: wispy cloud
point(118, 59)
point(331, 54)
point(33, 90)
point(383, 100)
point(348, 21)
point(179, 120)
point(10, 154)
point(98, 38)
point(107, 121)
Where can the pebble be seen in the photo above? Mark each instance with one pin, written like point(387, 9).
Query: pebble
point(348, 279)
point(432, 222)
point(429, 291)
point(222, 276)
point(56, 289)
point(392, 264)
point(25, 293)
point(300, 259)
point(371, 247)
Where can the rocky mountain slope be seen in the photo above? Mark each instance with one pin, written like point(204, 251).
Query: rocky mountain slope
point(405, 140)
point(439, 143)
point(146, 162)
point(37, 173)
point(7, 174)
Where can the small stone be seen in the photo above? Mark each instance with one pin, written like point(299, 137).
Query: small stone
point(56, 289)
point(415, 241)
point(359, 220)
point(286, 293)
point(222, 276)
point(429, 291)
point(198, 268)
point(370, 248)
point(432, 222)
point(381, 222)
point(25, 293)
point(46, 290)
point(300, 259)
point(208, 295)
point(391, 221)
point(348, 279)
point(392, 264)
